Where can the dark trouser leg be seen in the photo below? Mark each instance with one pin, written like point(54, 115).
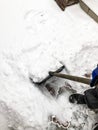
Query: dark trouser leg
point(96, 127)
point(91, 98)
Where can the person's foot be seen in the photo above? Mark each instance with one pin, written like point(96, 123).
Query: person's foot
point(77, 98)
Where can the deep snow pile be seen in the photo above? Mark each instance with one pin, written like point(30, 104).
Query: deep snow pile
point(35, 39)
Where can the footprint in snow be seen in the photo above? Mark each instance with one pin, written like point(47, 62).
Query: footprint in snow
point(35, 19)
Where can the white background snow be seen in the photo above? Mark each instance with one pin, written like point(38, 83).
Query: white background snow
point(36, 36)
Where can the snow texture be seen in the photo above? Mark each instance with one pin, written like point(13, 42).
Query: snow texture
point(35, 38)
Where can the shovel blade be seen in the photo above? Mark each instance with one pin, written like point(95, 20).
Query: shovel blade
point(48, 77)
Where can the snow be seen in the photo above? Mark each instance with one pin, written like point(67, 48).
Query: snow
point(35, 38)
point(3, 123)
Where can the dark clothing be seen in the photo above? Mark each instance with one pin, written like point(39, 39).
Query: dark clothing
point(91, 98)
point(95, 72)
point(91, 95)
point(96, 128)
point(94, 81)
point(78, 98)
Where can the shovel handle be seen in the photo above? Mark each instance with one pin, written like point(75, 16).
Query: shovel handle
point(71, 77)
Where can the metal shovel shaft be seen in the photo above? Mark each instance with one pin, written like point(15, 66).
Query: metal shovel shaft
point(73, 78)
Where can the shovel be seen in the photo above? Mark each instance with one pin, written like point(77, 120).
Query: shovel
point(64, 3)
point(71, 77)
point(64, 76)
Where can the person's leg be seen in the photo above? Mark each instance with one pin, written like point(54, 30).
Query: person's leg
point(91, 98)
point(96, 127)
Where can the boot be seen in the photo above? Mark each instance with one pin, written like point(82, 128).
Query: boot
point(77, 98)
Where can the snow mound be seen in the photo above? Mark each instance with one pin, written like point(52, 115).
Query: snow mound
point(9, 118)
point(3, 122)
point(40, 69)
point(86, 60)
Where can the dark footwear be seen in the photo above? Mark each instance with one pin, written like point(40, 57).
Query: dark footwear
point(77, 98)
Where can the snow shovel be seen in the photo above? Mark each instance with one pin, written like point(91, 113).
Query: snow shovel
point(71, 77)
point(64, 3)
point(48, 77)
point(65, 76)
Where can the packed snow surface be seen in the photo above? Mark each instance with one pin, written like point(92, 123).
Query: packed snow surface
point(36, 37)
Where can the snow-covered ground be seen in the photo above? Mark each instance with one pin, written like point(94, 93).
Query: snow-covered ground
point(35, 38)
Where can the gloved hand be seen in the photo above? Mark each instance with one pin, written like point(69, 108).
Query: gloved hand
point(94, 80)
